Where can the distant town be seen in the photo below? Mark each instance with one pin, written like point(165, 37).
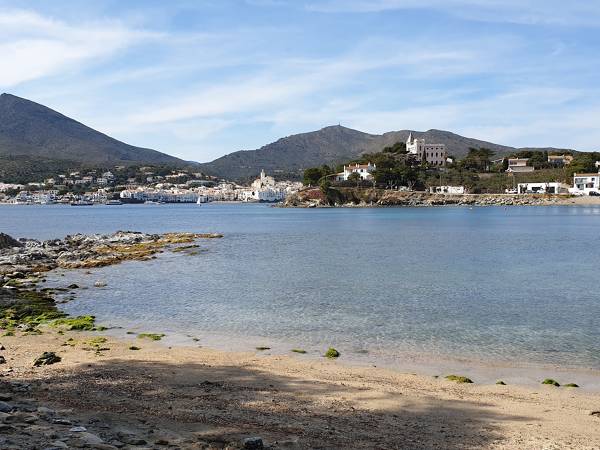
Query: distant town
point(122, 185)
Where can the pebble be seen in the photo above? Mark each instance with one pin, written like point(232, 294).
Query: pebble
point(5, 396)
point(78, 429)
point(2, 360)
point(58, 444)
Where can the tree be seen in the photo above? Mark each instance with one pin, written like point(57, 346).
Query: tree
point(312, 176)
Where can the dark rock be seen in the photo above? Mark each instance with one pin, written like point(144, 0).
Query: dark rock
point(5, 396)
point(62, 422)
point(2, 360)
point(46, 358)
point(253, 443)
point(5, 407)
point(8, 242)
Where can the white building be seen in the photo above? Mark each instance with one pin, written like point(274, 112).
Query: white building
point(542, 188)
point(434, 154)
point(519, 165)
point(584, 183)
point(447, 189)
point(363, 171)
point(264, 189)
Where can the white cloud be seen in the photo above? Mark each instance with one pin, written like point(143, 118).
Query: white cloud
point(33, 46)
point(556, 12)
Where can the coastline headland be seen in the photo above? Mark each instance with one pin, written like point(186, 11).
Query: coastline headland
point(372, 197)
point(66, 382)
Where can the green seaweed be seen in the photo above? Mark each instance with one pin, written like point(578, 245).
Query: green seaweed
point(79, 323)
point(152, 336)
point(332, 353)
point(459, 379)
point(551, 382)
point(571, 385)
point(260, 349)
point(500, 382)
point(298, 350)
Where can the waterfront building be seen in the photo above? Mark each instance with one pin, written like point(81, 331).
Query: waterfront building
point(542, 188)
point(434, 154)
point(447, 190)
point(585, 183)
point(519, 165)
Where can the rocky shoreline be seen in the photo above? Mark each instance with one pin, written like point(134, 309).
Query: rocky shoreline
point(353, 197)
point(28, 310)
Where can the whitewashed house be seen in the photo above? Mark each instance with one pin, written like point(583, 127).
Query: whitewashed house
point(364, 171)
point(434, 154)
point(584, 183)
point(542, 188)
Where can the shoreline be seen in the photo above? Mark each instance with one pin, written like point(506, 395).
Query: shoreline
point(189, 395)
point(110, 392)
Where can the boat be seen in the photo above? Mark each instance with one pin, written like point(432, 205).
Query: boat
point(113, 202)
point(82, 203)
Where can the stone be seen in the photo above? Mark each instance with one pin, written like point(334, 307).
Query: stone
point(58, 444)
point(45, 411)
point(252, 443)
point(5, 396)
point(62, 422)
point(2, 360)
point(77, 429)
point(100, 284)
point(90, 439)
point(5, 407)
point(46, 358)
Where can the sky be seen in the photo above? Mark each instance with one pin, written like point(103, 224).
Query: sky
point(202, 78)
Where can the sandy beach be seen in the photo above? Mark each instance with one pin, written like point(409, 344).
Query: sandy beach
point(186, 397)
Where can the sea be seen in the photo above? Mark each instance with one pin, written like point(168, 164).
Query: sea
point(508, 293)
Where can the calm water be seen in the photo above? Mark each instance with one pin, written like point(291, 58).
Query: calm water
point(397, 284)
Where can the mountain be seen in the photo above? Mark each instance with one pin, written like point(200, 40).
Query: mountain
point(32, 132)
point(289, 156)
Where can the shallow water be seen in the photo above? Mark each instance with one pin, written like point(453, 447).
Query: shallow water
point(518, 285)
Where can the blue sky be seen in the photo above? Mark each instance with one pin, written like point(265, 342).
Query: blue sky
point(199, 79)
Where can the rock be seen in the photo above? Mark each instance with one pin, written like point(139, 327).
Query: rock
point(7, 241)
point(45, 411)
point(46, 358)
point(130, 439)
point(5, 397)
point(73, 286)
point(100, 284)
point(58, 444)
point(5, 407)
point(252, 443)
point(77, 429)
point(90, 439)
point(62, 422)
point(103, 446)
point(595, 413)
point(2, 360)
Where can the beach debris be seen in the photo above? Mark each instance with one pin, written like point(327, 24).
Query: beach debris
point(571, 385)
point(298, 350)
point(46, 358)
point(458, 379)
point(551, 382)
point(261, 349)
point(332, 353)
point(501, 383)
point(595, 413)
point(133, 347)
